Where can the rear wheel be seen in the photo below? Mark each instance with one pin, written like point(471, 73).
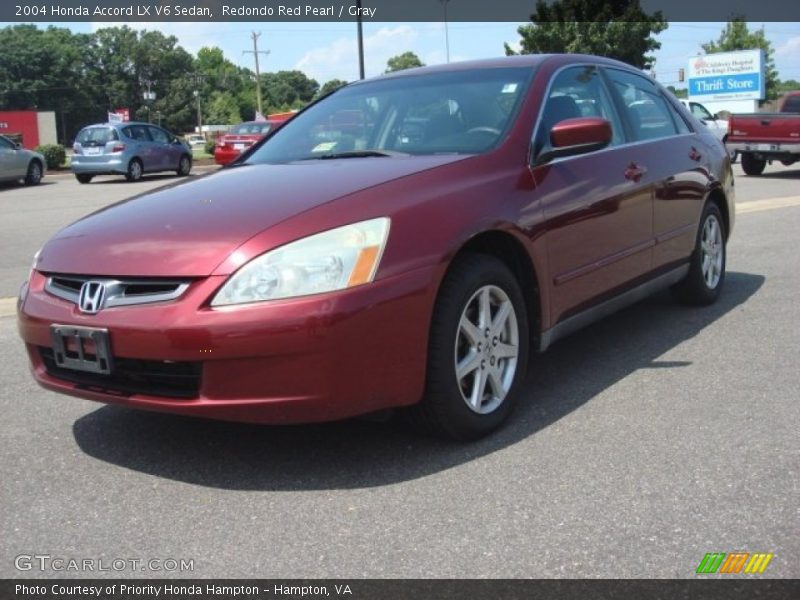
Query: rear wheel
point(135, 170)
point(706, 275)
point(184, 166)
point(34, 175)
point(83, 178)
point(752, 165)
point(477, 353)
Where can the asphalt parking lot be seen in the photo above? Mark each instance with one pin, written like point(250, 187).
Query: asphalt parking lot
point(644, 442)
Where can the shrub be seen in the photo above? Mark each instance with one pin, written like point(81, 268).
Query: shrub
point(54, 155)
point(210, 143)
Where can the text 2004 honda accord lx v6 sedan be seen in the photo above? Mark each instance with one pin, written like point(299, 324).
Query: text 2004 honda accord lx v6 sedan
point(405, 242)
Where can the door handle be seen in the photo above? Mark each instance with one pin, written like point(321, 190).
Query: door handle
point(694, 154)
point(634, 172)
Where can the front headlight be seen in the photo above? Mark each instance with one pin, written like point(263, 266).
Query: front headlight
point(332, 260)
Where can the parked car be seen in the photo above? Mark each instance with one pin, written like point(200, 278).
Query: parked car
point(130, 149)
point(240, 138)
point(19, 164)
point(713, 121)
point(195, 140)
point(410, 260)
point(765, 137)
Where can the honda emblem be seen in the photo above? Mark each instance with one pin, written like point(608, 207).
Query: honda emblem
point(92, 297)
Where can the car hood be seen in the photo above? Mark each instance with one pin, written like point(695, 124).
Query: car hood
point(188, 229)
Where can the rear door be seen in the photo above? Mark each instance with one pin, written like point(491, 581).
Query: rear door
point(677, 163)
point(143, 146)
point(166, 154)
point(598, 205)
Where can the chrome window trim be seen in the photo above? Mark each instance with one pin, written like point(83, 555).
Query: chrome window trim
point(115, 290)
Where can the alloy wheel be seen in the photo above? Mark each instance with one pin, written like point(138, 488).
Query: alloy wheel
point(712, 248)
point(486, 349)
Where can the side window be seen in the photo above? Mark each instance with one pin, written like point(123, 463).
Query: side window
point(576, 92)
point(680, 123)
point(647, 111)
point(139, 133)
point(5, 144)
point(128, 132)
point(159, 135)
point(700, 112)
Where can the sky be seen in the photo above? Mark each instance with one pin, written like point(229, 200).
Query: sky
point(327, 51)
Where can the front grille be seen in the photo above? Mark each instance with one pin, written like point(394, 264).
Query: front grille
point(118, 292)
point(134, 376)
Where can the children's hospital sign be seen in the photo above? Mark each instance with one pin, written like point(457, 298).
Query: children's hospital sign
point(727, 76)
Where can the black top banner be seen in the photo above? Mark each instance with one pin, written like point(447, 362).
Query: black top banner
point(367, 10)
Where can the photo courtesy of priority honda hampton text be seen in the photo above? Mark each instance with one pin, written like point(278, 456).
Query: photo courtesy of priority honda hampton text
point(407, 242)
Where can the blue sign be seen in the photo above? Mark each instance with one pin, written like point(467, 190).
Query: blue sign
point(746, 83)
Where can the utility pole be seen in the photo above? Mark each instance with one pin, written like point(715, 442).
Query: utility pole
point(255, 52)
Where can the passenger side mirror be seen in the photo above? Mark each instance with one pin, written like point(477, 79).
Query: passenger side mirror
point(576, 136)
point(17, 146)
point(716, 117)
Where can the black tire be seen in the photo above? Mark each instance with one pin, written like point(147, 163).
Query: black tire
point(752, 165)
point(695, 289)
point(83, 178)
point(34, 174)
point(444, 410)
point(184, 166)
point(135, 170)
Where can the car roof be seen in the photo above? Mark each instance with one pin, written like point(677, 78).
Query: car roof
point(519, 60)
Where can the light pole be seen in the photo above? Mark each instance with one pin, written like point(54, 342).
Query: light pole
point(446, 30)
point(149, 97)
point(360, 42)
point(199, 113)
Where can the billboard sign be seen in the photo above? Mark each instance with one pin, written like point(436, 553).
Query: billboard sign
point(727, 76)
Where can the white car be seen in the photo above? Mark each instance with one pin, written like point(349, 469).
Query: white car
point(19, 164)
point(718, 126)
point(195, 140)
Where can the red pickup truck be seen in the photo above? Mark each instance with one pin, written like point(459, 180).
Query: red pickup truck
point(763, 137)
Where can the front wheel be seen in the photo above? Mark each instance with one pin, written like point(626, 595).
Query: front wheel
point(703, 283)
point(752, 165)
point(477, 352)
point(34, 174)
point(184, 166)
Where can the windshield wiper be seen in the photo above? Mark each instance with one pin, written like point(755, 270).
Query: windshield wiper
point(357, 154)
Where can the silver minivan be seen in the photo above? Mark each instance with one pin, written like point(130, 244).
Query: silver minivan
point(130, 149)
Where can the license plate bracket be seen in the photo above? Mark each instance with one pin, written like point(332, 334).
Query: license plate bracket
point(85, 349)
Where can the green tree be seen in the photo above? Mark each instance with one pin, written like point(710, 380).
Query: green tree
point(330, 86)
point(737, 36)
point(222, 109)
point(678, 93)
point(286, 90)
point(406, 60)
point(614, 28)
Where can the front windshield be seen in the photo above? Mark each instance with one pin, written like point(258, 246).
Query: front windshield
point(457, 112)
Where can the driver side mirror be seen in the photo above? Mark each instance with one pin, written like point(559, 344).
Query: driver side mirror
point(571, 137)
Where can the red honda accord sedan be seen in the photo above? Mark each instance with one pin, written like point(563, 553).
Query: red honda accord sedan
point(403, 243)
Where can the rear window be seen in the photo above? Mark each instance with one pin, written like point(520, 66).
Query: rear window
point(251, 129)
point(792, 104)
point(96, 135)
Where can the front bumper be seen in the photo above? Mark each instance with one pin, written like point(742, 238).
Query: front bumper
point(318, 358)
